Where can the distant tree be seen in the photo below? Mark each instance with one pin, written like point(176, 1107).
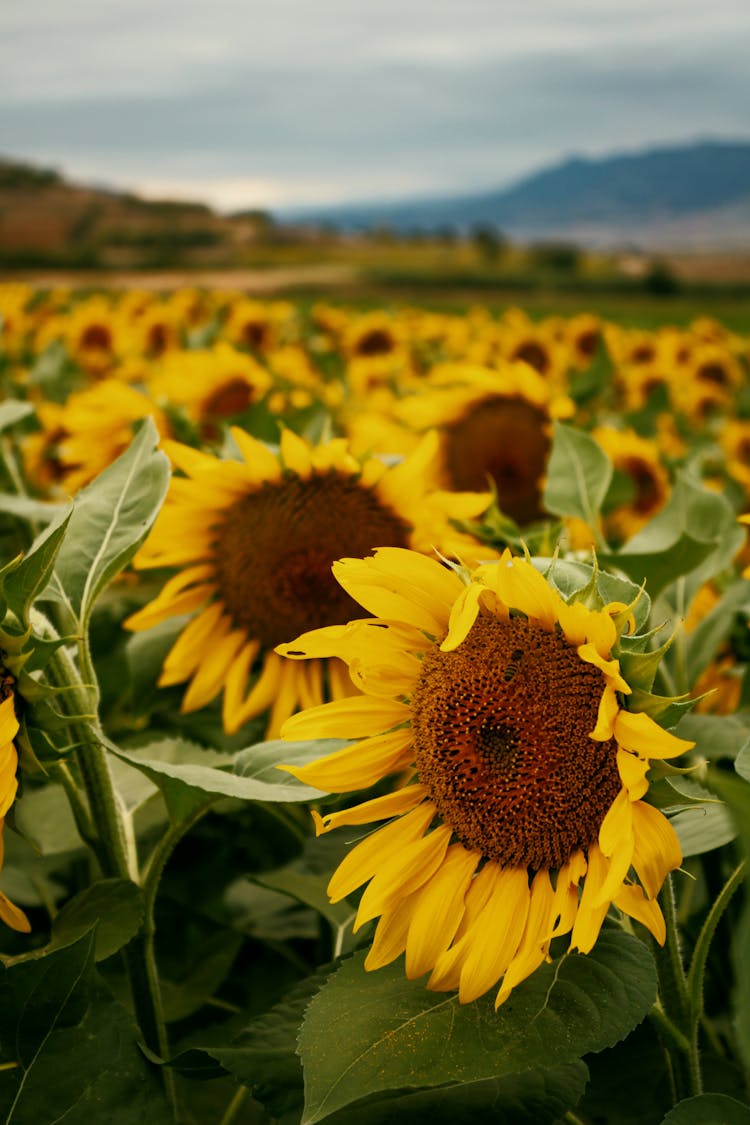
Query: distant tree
point(489, 242)
point(561, 256)
point(660, 280)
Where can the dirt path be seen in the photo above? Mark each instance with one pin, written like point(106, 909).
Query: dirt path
point(271, 280)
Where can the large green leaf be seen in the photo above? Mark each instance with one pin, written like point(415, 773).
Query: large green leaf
point(392, 1034)
point(69, 1051)
point(578, 475)
point(186, 786)
point(708, 1109)
point(34, 511)
point(109, 521)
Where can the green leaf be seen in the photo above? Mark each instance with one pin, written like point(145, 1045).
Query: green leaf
point(264, 1057)
point(110, 519)
point(261, 762)
point(702, 827)
point(715, 736)
point(578, 475)
point(71, 1051)
point(742, 762)
point(218, 954)
point(392, 1034)
point(34, 511)
point(696, 534)
point(187, 786)
point(536, 1097)
point(44, 818)
point(658, 568)
point(736, 792)
point(708, 1109)
point(22, 584)
point(13, 410)
point(114, 906)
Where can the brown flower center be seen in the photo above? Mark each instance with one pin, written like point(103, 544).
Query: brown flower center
point(96, 337)
point(648, 493)
point(275, 547)
point(533, 353)
point(507, 440)
point(713, 373)
point(375, 342)
point(502, 738)
point(233, 397)
point(255, 335)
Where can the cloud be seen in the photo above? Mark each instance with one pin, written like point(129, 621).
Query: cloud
point(340, 99)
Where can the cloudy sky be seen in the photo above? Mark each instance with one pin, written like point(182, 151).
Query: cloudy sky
point(286, 102)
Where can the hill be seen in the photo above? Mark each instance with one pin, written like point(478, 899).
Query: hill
point(690, 196)
point(45, 220)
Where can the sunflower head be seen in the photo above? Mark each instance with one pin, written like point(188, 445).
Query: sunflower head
point(255, 541)
point(519, 814)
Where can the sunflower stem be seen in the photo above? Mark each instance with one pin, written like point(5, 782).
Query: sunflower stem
point(668, 1030)
point(675, 1005)
point(697, 970)
point(112, 843)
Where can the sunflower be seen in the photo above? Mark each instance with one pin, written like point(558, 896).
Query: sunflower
point(257, 540)
point(85, 435)
point(211, 384)
point(494, 424)
point(522, 815)
point(9, 913)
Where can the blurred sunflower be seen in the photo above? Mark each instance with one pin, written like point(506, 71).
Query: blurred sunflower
point(494, 424)
point(9, 913)
point(526, 771)
point(82, 437)
point(211, 384)
point(257, 540)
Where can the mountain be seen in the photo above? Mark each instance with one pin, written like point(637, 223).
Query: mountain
point(682, 196)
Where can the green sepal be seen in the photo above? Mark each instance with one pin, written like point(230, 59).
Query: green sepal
point(639, 668)
point(665, 709)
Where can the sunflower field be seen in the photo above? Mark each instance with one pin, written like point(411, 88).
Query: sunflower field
point(374, 714)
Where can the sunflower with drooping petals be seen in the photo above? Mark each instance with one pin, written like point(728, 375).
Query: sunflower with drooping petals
point(256, 540)
point(9, 913)
point(522, 818)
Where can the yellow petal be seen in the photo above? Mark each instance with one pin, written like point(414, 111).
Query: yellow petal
point(610, 668)
point(647, 911)
point(361, 863)
point(403, 873)
point(591, 912)
point(617, 844)
point(391, 931)
point(496, 934)
point(8, 721)
point(439, 910)
point(189, 648)
point(638, 732)
point(285, 700)
point(234, 687)
point(378, 808)
point(657, 849)
point(357, 766)
point(295, 453)
point(211, 674)
point(358, 717)
point(13, 916)
point(462, 616)
point(521, 586)
point(632, 770)
point(606, 716)
point(536, 938)
point(263, 463)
